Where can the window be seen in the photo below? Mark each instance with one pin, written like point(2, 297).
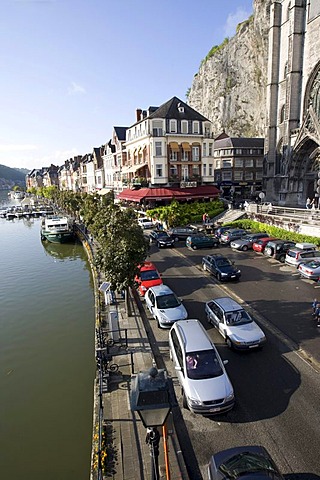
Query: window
point(238, 151)
point(204, 150)
point(226, 176)
point(227, 163)
point(249, 175)
point(196, 127)
point(173, 126)
point(207, 130)
point(204, 169)
point(158, 149)
point(238, 162)
point(259, 163)
point(238, 176)
point(185, 156)
point(184, 126)
point(249, 162)
point(258, 175)
point(195, 171)
point(210, 169)
point(210, 149)
point(195, 154)
point(218, 163)
point(173, 171)
point(173, 155)
point(158, 170)
point(157, 128)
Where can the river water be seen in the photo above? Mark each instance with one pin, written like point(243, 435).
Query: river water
point(46, 355)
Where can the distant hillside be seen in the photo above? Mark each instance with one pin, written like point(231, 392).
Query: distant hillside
point(12, 176)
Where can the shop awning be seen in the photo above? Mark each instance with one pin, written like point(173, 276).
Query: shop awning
point(157, 194)
point(134, 168)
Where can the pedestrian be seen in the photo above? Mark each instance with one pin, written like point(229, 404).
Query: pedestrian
point(308, 203)
point(204, 218)
point(317, 314)
point(313, 204)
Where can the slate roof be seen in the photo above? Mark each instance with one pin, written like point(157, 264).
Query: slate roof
point(170, 109)
point(121, 132)
point(239, 142)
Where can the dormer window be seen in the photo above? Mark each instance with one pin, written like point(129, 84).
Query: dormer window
point(180, 108)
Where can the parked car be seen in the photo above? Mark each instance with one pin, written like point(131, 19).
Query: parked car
point(161, 238)
point(147, 277)
point(232, 234)
point(310, 270)
point(245, 243)
point(260, 244)
point(221, 267)
point(220, 230)
point(165, 306)
point(205, 385)
point(145, 222)
point(202, 241)
point(234, 323)
point(249, 462)
point(301, 253)
point(181, 233)
point(277, 249)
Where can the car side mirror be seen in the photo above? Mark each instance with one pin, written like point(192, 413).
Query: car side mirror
point(225, 362)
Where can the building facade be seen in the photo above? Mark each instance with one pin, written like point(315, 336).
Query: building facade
point(292, 140)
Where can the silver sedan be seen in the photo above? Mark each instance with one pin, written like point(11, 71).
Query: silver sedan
point(310, 270)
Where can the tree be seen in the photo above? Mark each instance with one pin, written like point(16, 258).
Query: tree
point(122, 247)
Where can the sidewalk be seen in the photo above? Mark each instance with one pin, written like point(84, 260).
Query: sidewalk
point(128, 455)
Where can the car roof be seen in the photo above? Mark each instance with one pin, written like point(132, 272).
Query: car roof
point(193, 335)
point(147, 266)
point(216, 256)
point(160, 290)
point(227, 304)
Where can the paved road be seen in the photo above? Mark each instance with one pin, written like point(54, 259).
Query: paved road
point(277, 391)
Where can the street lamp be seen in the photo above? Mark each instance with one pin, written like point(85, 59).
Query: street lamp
point(152, 397)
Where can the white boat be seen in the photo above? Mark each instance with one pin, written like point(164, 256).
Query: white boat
point(57, 229)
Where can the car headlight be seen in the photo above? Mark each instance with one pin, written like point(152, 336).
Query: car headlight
point(238, 271)
point(230, 396)
point(262, 339)
point(194, 401)
point(237, 341)
point(144, 289)
point(223, 274)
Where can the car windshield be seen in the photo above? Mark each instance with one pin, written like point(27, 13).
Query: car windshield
point(312, 264)
point(168, 301)
point(224, 262)
point(149, 275)
point(239, 317)
point(203, 364)
point(246, 462)
point(162, 234)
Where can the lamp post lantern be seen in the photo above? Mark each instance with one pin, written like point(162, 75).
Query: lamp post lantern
point(151, 396)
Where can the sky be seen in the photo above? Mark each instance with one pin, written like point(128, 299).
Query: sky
point(71, 70)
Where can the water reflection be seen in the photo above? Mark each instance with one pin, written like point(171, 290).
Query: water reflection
point(63, 252)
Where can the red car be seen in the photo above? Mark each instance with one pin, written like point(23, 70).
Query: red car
point(147, 277)
point(260, 244)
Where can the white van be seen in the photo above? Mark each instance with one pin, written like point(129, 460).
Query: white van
point(205, 385)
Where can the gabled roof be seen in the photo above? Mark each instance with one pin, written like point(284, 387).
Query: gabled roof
point(170, 109)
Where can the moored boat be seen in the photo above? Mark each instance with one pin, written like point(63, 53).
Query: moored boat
point(57, 229)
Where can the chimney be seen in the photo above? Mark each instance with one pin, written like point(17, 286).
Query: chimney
point(138, 114)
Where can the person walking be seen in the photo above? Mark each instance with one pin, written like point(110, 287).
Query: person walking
point(308, 203)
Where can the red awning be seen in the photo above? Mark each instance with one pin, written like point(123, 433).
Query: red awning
point(201, 192)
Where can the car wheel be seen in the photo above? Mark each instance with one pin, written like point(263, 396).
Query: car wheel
point(229, 343)
point(282, 258)
point(158, 245)
point(269, 251)
point(245, 248)
point(215, 245)
point(176, 239)
point(184, 400)
point(219, 277)
point(194, 247)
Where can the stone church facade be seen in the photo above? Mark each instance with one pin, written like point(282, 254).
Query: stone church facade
point(292, 139)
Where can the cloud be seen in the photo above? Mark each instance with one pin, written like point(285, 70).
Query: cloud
point(17, 148)
point(234, 19)
point(76, 89)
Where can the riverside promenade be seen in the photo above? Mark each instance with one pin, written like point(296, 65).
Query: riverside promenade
point(119, 448)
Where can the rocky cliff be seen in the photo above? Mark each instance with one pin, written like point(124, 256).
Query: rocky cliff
point(230, 87)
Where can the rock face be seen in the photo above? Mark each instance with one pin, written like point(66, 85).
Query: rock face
point(230, 87)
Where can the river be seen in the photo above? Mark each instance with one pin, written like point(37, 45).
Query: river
point(46, 355)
